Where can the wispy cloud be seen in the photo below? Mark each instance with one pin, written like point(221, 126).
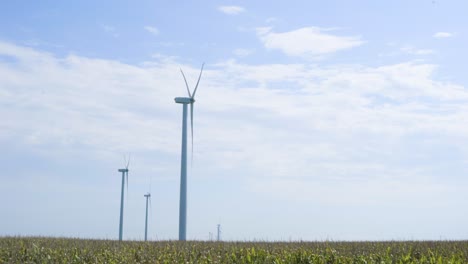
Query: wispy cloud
point(415, 51)
point(443, 35)
point(356, 97)
point(110, 29)
point(152, 30)
point(271, 20)
point(242, 52)
point(307, 42)
point(231, 10)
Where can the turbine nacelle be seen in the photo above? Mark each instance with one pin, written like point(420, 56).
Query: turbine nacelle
point(184, 100)
point(123, 170)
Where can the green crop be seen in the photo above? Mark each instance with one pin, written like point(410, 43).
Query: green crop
point(61, 250)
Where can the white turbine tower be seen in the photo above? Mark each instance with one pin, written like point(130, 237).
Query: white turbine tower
point(124, 173)
point(183, 166)
point(148, 197)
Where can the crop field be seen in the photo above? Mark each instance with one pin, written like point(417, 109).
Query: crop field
point(61, 250)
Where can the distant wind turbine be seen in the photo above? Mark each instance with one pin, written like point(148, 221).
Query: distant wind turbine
point(124, 175)
point(183, 166)
point(148, 197)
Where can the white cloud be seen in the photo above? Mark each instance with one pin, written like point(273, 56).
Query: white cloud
point(152, 30)
point(111, 30)
point(307, 42)
point(424, 51)
point(108, 28)
point(443, 35)
point(242, 52)
point(415, 51)
point(231, 10)
point(271, 20)
point(390, 101)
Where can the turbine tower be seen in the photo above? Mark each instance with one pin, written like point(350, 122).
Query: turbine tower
point(183, 166)
point(124, 173)
point(148, 197)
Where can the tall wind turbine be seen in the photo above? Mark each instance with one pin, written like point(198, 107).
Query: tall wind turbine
point(148, 197)
point(183, 166)
point(124, 173)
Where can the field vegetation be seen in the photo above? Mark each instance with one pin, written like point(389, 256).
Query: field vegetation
point(65, 250)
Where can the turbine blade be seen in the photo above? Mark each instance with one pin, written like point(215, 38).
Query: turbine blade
point(128, 162)
point(186, 84)
point(199, 77)
point(191, 129)
point(151, 208)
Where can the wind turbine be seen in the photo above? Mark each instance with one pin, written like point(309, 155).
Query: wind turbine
point(183, 166)
point(148, 197)
point(124, 173)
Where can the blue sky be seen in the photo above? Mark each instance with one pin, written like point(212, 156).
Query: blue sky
point(339, 120)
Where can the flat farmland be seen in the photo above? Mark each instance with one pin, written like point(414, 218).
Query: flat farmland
point(67, 250)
